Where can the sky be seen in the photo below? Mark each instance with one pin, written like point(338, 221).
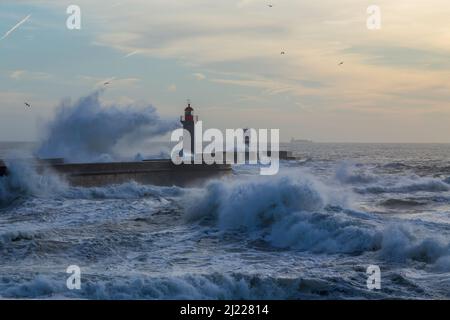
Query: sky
point(225, 56)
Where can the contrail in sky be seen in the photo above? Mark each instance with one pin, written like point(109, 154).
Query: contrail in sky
point(15, 27)
point(131, 54)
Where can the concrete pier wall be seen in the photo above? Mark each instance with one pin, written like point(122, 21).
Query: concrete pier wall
point(156, 172)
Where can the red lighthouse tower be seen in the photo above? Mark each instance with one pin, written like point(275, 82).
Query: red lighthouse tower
point(188, 121)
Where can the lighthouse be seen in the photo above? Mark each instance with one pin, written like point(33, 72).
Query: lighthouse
point(188, 121)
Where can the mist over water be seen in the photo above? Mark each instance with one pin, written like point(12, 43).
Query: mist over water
point(88, 131)
point(308, 233)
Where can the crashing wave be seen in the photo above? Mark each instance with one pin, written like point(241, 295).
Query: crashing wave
point(88, 131)
point(23, 181)
point(347, 173)
point(300, 213)
point(400, 244)
point(192, 286)
point(409, 185)
point(286, 212)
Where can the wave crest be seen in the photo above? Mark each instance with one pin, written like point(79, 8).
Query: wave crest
point(409, 185)
point(287, 212)
point(191, 286)
point(300, 213)
point(23, 180)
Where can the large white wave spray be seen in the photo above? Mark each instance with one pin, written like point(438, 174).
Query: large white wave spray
point(291, 211)
point(23, 180)
point(301, 213)
point(87, 131)
point(183, 287)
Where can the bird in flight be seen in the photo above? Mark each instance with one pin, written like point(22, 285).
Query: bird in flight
point(282, 52)
point(106, 83)
point(270, 5)
point(27, 104)
point(341, 63)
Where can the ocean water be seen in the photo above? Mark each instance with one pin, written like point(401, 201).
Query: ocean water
point(308, 233)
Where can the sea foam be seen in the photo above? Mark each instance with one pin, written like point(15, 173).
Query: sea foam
point(301, 213)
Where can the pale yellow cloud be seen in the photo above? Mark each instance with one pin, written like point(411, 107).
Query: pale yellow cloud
point(399, 70)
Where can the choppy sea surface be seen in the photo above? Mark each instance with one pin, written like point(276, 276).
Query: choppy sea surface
point(309, 232)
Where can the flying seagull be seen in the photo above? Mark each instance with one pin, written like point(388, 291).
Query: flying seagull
point(270, 5)
point(105, 82)
point(341, 63)
point(282, 52)
point(15, 27)
point(27, 104)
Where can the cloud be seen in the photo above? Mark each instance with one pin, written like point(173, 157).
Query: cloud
point(199, 76)
point(29, 75)
point(248, 39)
point(238, 42)
point(10, 98)
point(15, 27)
point(16, 75)
point(405, 57)
point(97, 82)
point(271, 86)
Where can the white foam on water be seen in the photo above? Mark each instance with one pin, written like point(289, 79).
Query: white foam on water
point(299, 212)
